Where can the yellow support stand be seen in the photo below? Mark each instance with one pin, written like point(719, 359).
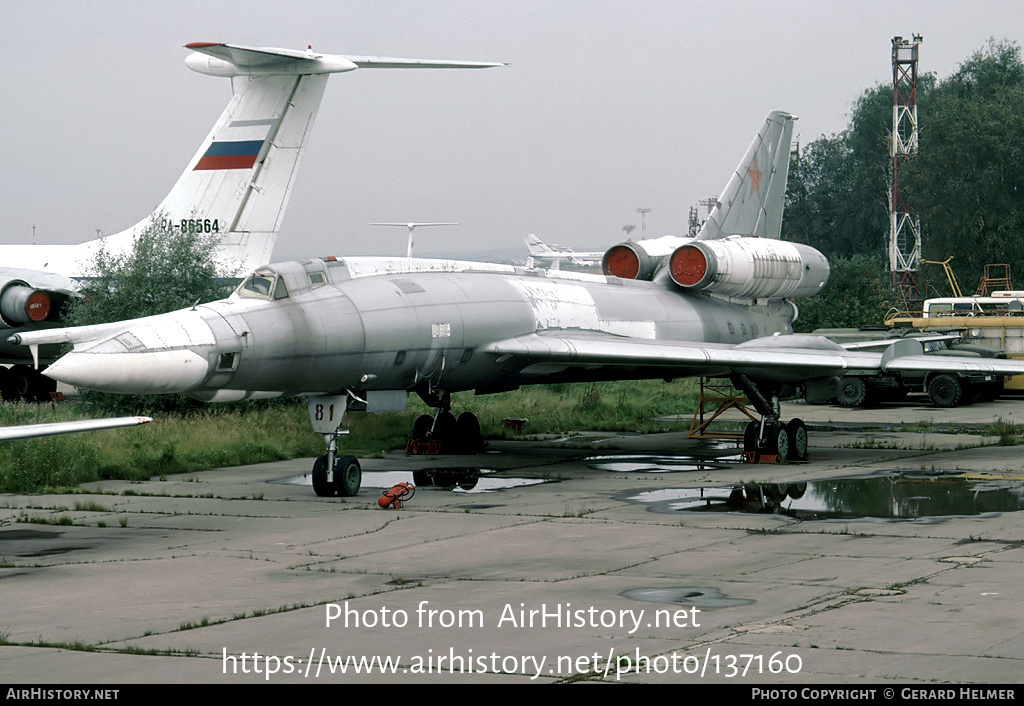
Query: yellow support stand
point(717, 396)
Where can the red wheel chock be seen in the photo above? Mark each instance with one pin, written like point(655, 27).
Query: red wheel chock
point(395, 496)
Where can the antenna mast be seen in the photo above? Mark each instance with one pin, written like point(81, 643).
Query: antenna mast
point(904, 228)
point(412, 227)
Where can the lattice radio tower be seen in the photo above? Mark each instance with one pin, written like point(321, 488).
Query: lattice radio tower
point(904, 227)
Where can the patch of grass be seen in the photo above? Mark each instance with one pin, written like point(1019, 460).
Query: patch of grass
point(1007, 431)
point(598, 406)
point(59, 520)
point(49, 462)
point(90, 506)
point(230, 435)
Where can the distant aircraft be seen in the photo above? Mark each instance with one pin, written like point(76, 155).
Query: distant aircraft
point(236, 187)
point(29, 431)
point(556, 254)
point(359, 333)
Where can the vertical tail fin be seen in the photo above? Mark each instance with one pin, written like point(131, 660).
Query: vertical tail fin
point(238, 184)
point(752, 202)
point(537, 247)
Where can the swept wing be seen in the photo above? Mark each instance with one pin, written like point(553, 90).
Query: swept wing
point(792, 358)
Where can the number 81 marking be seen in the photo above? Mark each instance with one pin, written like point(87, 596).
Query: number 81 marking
point(320, 413)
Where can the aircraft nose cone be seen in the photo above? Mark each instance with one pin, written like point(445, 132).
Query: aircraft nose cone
point(139, 373)
point(160, 355)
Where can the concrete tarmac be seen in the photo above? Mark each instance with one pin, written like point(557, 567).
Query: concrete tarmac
point(567, 560)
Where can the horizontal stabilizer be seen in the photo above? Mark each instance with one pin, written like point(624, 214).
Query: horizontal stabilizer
point(387, 62)
point(235, 60)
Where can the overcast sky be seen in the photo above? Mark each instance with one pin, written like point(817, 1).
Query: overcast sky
point(607, 107)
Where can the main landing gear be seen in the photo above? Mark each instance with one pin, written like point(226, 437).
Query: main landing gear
point(333, 474)
point(770, 437)
point(786, 440)
point(443, 433)
point(22, 382)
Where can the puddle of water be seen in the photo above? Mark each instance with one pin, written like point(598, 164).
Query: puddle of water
point(721, 444)
point(53, 551)
point(892, 496)
point(471, 480)
point(649, 464)
point(457, 480)
point(25, 543)
point(701, 597)
point(28, 534)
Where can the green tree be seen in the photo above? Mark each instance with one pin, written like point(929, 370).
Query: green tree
point(857, 294)
point(967, 180)
point(164, 271)
point(837, 197)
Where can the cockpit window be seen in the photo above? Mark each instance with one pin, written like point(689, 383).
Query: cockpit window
point(280, 291)
point(257, 287)
point(263, 285)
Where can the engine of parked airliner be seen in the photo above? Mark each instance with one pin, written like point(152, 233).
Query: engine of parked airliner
point(749, 268)
point(21, 304)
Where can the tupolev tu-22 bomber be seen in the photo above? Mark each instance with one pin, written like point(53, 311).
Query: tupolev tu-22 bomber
point(360, 333)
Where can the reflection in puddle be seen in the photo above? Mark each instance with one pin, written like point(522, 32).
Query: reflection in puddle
point(646, 463)
point(470, 480)
point(457, 480)
point(894, 496)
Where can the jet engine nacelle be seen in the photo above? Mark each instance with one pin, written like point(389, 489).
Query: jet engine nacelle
point(640, 259)
point(749, 268)
point(21, 304)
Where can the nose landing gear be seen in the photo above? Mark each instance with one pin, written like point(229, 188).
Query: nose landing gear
point(333, 474)
point(344, 480)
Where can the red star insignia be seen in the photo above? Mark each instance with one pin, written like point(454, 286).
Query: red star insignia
point(755, 177)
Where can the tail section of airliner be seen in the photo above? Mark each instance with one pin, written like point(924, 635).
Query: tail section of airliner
point(237, 185)
point(538, 248)
point(752, 202)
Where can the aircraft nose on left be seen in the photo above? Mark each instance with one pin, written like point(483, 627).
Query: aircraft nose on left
point(162, 354)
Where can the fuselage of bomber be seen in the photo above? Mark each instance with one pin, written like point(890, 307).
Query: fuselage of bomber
point(395, 331)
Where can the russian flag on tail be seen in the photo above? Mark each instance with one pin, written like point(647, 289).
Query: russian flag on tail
point(239, 154)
